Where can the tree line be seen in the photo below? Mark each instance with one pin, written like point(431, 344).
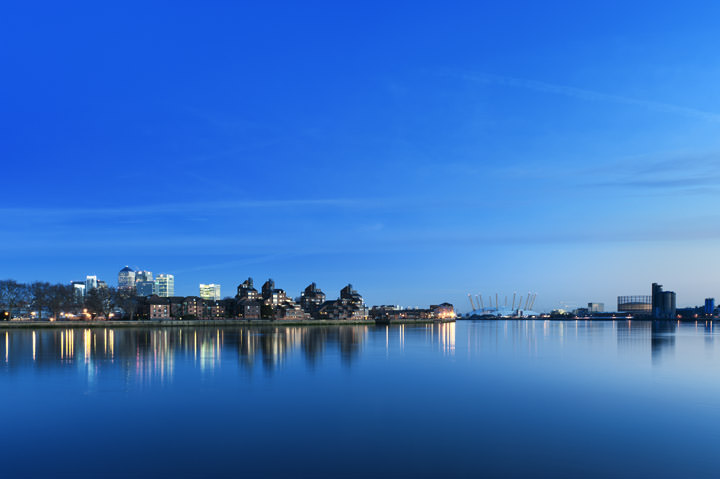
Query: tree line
point(42, 297)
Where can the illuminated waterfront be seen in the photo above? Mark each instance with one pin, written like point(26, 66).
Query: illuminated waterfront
point(514, 398)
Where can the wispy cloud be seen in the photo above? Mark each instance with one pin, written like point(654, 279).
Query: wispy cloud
point(588, 95)
point(689, 172)
point(184, 208)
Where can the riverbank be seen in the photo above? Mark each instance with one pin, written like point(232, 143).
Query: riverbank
point(171, 323)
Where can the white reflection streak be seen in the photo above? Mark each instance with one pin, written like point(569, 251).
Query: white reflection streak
point(33, 336)
point(86, 344)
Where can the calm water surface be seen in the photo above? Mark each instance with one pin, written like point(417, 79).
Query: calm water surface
point(484, 398)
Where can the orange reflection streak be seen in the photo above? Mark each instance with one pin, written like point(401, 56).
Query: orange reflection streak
point(7, 346)
point(87, 344)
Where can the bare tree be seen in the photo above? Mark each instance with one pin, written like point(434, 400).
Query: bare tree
point(60, 299)
point(127, 300)
point(39, 296)
point(13, 295)
point(100, 301)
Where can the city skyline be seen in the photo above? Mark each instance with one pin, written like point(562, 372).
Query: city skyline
point(489, 149)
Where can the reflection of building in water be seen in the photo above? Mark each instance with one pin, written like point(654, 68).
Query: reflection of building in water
point(152, 354)
point(663, 338)
point(633, 336)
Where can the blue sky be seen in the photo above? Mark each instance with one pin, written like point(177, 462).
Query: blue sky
point(418, 150)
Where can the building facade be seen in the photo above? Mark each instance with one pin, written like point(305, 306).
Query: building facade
point(641, 305)
point(210, 291)
point(165, 285)
point(126, 278)
point(145, 288)
point(663, 303)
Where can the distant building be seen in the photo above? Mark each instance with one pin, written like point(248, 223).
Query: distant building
point(210, 291)
point(78, 291)
point(165, 284)
point(143, 276)
point(91, 282)
point(392, 313)
point(126, 278)
point(663, 303)
point(443, 311)
point(709, 306)
point(145, 288)
point(641, 305)
point(596, 307)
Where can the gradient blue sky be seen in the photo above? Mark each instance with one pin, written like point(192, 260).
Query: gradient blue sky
point(418, 150)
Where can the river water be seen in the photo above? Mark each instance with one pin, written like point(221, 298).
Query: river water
point(465, 399)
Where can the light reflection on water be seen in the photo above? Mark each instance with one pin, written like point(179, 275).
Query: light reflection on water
point(153, 352)
point(494, 398)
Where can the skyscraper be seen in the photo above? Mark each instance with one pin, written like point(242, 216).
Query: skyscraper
point(165, 285)
point(145, 288)
point(143, 276)
point(126, 278)
point(210, 291)
point(78, 291)
point(91, 282)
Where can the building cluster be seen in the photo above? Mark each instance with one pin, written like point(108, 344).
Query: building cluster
point(658, 305)
point(143, 284)
point(249, 303)
point(82, 288)
point(390, 313)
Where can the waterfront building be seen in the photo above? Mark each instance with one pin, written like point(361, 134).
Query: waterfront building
point(638, 305)
point(311, 299)
point(709, 306)
point(596, 307)
point(145, 288)
point(126, 278)
point(193, 307)
point(349, 306)
point(176, 306)
point(214, 310)
point(159, 308)
point(280, 304)
point(249, 309)
point(165, 285)
point(246, 290)
point(210, 291)
point(663, 303)
point(391, 312)
point(443, 311)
